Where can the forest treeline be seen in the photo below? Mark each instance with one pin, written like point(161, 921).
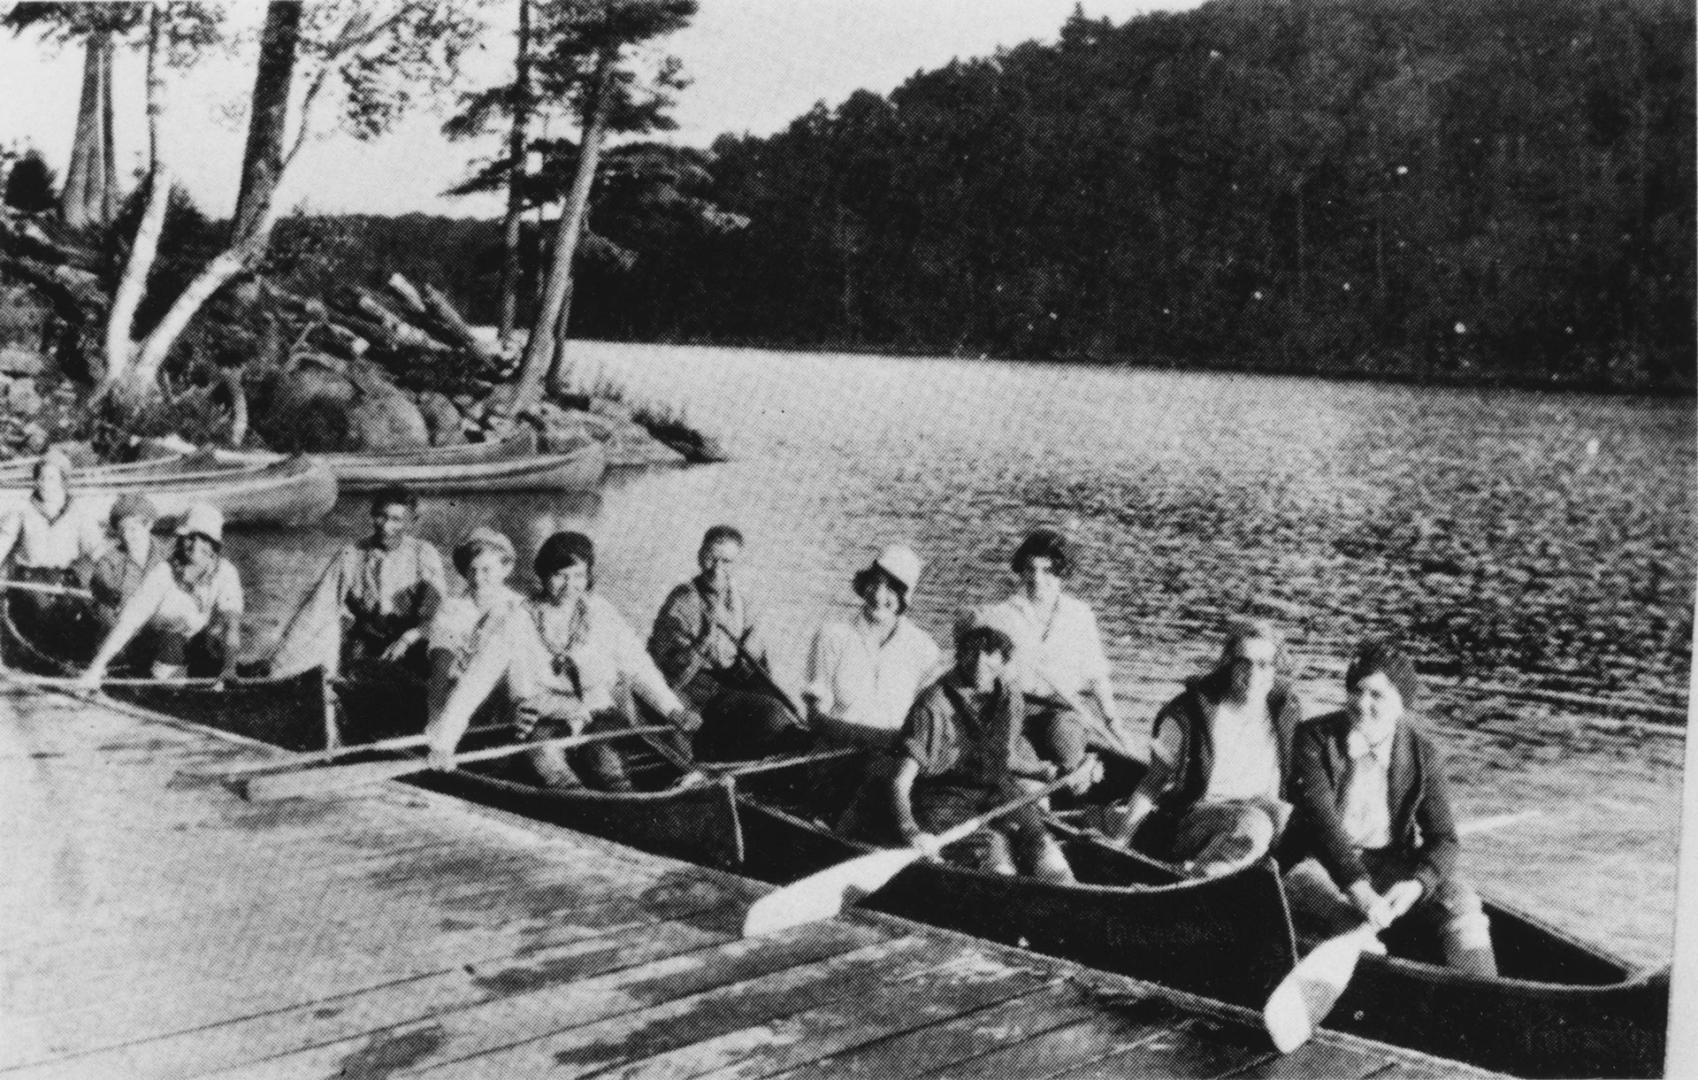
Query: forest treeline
point(1492, 191)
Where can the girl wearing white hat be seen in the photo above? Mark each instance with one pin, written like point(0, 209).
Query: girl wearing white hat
point(864, 673)
point(193, 602)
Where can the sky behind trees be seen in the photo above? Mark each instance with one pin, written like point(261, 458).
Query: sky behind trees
point(754, 65)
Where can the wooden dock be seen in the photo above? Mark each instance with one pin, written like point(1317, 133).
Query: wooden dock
point(161, 929)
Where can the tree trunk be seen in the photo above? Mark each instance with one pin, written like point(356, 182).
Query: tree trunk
point(119, 324)
point(262, 169)
point(262, 162)
point(89, 198)
point(542, 353)
point(155, 86)
point(517, 151)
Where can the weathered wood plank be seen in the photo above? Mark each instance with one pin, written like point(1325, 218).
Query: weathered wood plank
point(1098, 1033)
point(1318, 1057)
point(525, 1019)
point(636, 940)
point(356, 941)
point(871, 1006)
point(1191, 1047)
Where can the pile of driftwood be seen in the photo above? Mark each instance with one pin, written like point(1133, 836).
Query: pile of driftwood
point(414, 332)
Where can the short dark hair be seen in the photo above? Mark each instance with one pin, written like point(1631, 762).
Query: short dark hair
point(1043, 544)
point(719, 534)
point(561, 550)
point(1377, 656)
point(394, 495)
point(978, 638)
point(866, 579)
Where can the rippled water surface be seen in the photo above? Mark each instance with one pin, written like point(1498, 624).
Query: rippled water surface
point(1537, 550)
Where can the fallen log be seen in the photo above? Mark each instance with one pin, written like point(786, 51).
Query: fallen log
point(463, 334)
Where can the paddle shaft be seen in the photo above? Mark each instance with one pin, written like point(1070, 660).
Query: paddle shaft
point(334, 777)
point(295, 762)
point(823, 894)
point(49, 590)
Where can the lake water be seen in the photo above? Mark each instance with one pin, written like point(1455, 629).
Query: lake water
point(1537, 550)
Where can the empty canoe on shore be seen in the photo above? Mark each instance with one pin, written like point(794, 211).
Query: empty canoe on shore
point(291, 491)
point(22, 470)
point(507, 465)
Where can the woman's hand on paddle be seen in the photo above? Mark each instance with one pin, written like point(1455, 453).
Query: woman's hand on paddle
point(1403, 896)
point(89, 681)
point(441, 758)
point(1088, 773)
point(398, 651)
point(686, 719)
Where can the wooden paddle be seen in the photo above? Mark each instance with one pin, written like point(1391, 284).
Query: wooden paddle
point(827, 893)
point(1304, 998)
point(297, 762)
point(316, 780)
point(50, 590)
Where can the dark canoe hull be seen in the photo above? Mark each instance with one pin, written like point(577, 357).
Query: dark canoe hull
point(1571, 1011)
point(1229, 938)
point(285, 712)
point(697, 824)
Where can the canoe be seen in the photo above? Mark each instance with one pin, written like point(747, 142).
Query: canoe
point(580, 469)
point(22, 470)
point(291, 491)
point(508, 465)
point(1561, 1007)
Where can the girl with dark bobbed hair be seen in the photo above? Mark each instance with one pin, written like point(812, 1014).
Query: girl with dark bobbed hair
point(561, 656)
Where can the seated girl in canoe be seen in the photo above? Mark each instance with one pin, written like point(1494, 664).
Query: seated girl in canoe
point(191, 603)
point(561, 657)
point(47, 536)
point(120, 571)
point(1373, 814)
point(960, 753)
point(1215, 797)
point(708, 642)
point(864, 673)
point(1058, 653)
point(370, 608)
point(485, 560)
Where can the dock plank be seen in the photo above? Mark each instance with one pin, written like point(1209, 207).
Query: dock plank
point(327, 1020)
point(520, 1034)
point(900, 1002)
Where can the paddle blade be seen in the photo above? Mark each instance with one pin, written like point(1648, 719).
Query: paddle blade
point(1304, 998)
point(827, 893)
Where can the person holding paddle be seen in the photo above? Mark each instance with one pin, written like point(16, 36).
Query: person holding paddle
point(707, 641)
point(962, 751)
point(562, 656)
point(192, 603)
point(1215, 795)
point(1374, 817)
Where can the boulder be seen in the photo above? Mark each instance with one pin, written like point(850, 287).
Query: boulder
point(389, 422)
point(441, 418)
point(323, 403)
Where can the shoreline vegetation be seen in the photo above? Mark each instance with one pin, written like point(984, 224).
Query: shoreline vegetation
point(1496, 195)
